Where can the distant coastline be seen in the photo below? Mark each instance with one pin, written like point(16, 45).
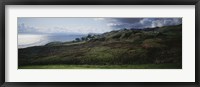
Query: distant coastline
point(28, 40)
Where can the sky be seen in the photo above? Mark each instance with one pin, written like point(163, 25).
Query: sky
point(42, 25)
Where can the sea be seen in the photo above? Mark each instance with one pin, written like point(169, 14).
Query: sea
point(29, 40)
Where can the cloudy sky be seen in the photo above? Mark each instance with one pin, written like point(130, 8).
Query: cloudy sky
point(28, 25)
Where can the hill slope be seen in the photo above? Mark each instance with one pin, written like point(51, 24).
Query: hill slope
point(123, 47)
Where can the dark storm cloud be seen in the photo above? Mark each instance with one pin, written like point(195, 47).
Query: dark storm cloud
point(119, 23)
point(127, 20)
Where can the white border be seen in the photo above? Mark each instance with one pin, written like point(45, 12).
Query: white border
point(187, 74)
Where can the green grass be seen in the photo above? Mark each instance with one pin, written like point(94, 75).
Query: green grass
point(74, 43)
point(143, 66)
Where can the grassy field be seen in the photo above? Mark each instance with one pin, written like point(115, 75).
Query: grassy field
point(143, 66)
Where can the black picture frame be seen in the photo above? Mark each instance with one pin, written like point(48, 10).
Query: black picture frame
point(99, 2)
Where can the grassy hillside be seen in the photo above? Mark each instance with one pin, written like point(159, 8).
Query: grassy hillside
point(121, 47)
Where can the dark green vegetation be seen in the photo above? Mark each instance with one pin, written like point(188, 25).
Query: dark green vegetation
point(126, 48)
point(140, 66)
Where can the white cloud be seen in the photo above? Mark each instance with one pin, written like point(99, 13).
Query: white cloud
point(99, 19)
point(113, 24)
point(148, 22)
point(68, 29)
